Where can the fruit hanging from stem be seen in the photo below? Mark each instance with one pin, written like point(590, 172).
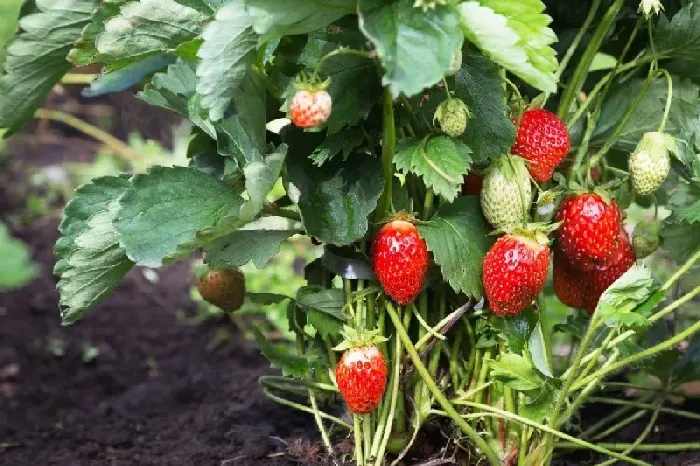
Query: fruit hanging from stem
point(223, 287)
point(543, 140)
point(361, 377)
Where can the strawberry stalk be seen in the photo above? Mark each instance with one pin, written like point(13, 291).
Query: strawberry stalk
point(388, 150)
point(449, 409)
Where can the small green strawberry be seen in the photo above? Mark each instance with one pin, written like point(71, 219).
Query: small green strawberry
point(645, 239)
point(452, 115)
point(650, 163)
point(506, 187)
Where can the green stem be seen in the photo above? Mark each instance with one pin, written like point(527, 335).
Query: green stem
point(546, 330)
point(78, 78)
point(275, 381)
point(435, 390)
point(615, 415)
point(681, 271)
point(385, 430)
point(522, 448)
point(663, 346)
point(319, 423)
point(604, 83)
point(367, 435)
point(388, 150)
point(428, 204)
point(579, 36)
point(582, 443)
point(616, 427)
point(554, 418)
point(647, 406)
point(649, 447)
point(645, 433)
point(279, 212)
point(669, 99)
point(120, 148)
point(582, 148)
point(357, 430)
point(623, 122)
point(306, 409)
point(584, 64)
point(342, 51)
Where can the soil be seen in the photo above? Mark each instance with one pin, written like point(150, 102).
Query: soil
point(156, 393)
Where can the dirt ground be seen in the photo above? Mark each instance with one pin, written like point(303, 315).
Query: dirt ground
point(156, 393)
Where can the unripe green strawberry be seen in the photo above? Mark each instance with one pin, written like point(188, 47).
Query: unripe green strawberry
point(645, 239)
point(452, 115)
point(224, 288)
point(506, 186)
point(650, 163)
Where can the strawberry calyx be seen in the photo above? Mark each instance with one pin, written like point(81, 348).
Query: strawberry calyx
point(311, 82)
point(358, 338)
point(401, 216)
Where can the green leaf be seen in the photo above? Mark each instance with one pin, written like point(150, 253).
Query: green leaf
point(680, 37)
point(648, 114)
point(515, 372)
point(145, 27)
point(89, 199)
point(478, 83)
point(84, 53)
point(458, 237)
point(441, 161)
point(324, 309)
point(281, 356)
point(336, 198)
point(93, 267)
point(241, 133)
point(258, 242)
point(538, 351)
point(227, 54)
point(174, 90)
point(516, 36)
point(124, 78)
point(416, 47)
point(517, 329)
point(260, 177)
point(36, 58)
point(166, 208)
point(276, 18)
point(266, 299)
point(16, 269)
point(206, 7)
point(624, 295)
point(343, 142)
point(540, 404)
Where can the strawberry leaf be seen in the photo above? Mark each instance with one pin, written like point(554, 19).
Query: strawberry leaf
point(91, 270)
point(227, 53)
point(324, 309)
point(16, 269)
point(84, 53)
point(458, 237)
point(258, 242)
point(416, 47)
point(680, 37)
point(343, 142)
point(336, 199)
point(167, 207)
point(618, 302)
point(441, 161)
point(515, 372)
point(145, 27)
point(36, 57)
point(516, 36)
point(275, 18)
point(281, 356)
point(478, 83)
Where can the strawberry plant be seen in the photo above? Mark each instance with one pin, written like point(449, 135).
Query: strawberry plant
point(438, 151)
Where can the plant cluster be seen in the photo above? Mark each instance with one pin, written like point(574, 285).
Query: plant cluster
point(442, 155)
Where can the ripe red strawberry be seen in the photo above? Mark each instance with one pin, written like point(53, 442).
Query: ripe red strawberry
point(590, 230)
point(224, 288)
point(310, 108)
point(361, 378)
point(472, 184)
point(515, 271)
point(543, 141)
point(605, 275)
point(400, 260)
point(570, 284)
